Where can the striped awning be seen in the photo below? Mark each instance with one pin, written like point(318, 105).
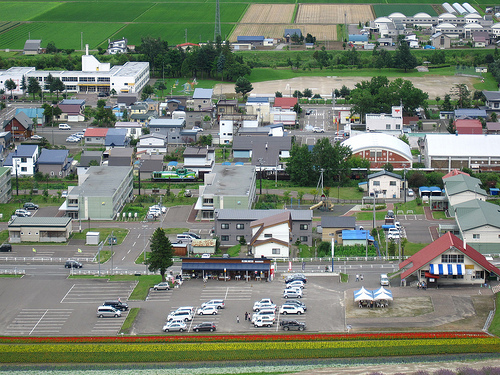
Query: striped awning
point(447, 269)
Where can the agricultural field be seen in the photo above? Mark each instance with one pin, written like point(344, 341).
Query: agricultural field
point(382, 10)
point(269, 13)
point(200, 13)
point(322, 32)
point(14, 11)
point(334, 13)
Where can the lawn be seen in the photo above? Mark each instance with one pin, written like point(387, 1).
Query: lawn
point(119, 233)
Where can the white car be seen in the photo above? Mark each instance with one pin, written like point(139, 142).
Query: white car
point(36, 137)
point(317, 129)
point(219, 303)
point(64, 127)
point(164, 285)
point(21, 212)
point(269, 313)
point(410, 193)
point(393, 234)
point(197, 128)
point(295, 284)
point(292, 293)
point(291, 309)
point(72, 139)
point(264, 306)
point(263, 321)
point(183, 314)
point(175, 326)
point(207, 310)
point(156, 207)
point(188, 308)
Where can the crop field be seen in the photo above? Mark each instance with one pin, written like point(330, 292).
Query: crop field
point(269, 13)
point(276, 31)
point(334, 13)
point(407, 9)
point(199, 13)
point(14, 11)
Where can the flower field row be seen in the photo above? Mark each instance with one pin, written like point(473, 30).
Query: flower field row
point(211, 351)
point(243, 338)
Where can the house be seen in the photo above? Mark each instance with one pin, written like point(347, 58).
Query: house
point(264, 151)
point(202, 99)
point(227, 107)
point(87, 158)
point(23, 160)
point(470, 113)
point(150, 163)
point(226, 130)
point(126, 100)
point(385, 123)
point(358, 40)
point(175, 103)
point(480, 41)
point(32, 47)
point(117, 46)
point(226, 187)
point(55, 163)
point(230, 225)
point(199, 159)
point(446, 261)
point(72, 110)
point(253, 40)
point(40, 229)
point(100, 195)
point(121, 157)
point(445, 152)
point(285, 104)
point(274, 130)
point(171, 128)
point(116, 138)
point(155, 143)
point(493, 128)
point(380, 149)
point(332, 227)
point(139, 113)
point(385, 184)
point(20, 126)
point(95, 136)
point(289, 33)
point(133, 129)
point(35, 114)
point(440, 41)
point(5, 185)
point(271, 236)
point(492, 100)
point(356, 237)
point(5, 141)
point(473, 126)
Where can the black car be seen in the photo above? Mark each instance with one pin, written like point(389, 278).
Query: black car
point(119, 305)
point(30, 206)
point(73, 264)
point(205, 326)
point(290, 325)
point(5, 248)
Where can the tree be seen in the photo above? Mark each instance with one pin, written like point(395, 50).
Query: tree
point(403, 59)
point(147, 91)
point(243, 86)
point(388, 167)
point(307, 93)
point(33, 86)
point(24, 86)
point(310, 38)
point(48, 113)
point(447, 105)
point(297, 108)
point(51, 47)
point(300, 166)
point(58, 86)
point(10, 85)
point(494, 117)
point(161, 253)
point(278, 94)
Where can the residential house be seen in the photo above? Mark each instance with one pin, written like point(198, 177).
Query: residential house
point(95, 136)
point(87, 158)
point(289, 33)
point(72, 110)
point(226, 187)
point(448, 260)
point(199, 159)
point(175, 103)
point(139, 113)
point(134, 129)
point(332, 227)
point(126, 100)
point(356, 237)
point(154, 143)
point(20, 126)
point(492, 100)
point(230, 225)
point(227, 107)
point(5, 141)
point(55, 163)
point(169, 127)
point(23, 160)
point(226, 132)
point(117, 46)
point(385, 184)
point(470, 113)
point(263, 151)
point(440, 41)
point(5, 185)
point(473, 126)
point(35, 114)
point(40, 229)
point(260, 107)
point(493, 128)
point(202, 99)
point(122, 157)
point(116, 138)
point(100, 195)
point(480, 40)
point(385, 123)
point(32, 47)
point(271, 236)
point(150, 163)
point(194, 118)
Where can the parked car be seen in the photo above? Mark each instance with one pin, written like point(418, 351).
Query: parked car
point(72, 139)
point(36, 137)
point(108, 312)
point(205, 326)
point(162, 286)
point(73, 264)
point(291, 309)
point(30, 206)
point(102, 94)
point(295, 284)
point(264, 306)
point(384, 280)
point(191, 309)
point(317, 129)
point(296, 302)
point(175, 327)
point(289, 325)
point(393, 234)
point(207, 310)
point(296, 276)
point(117, 304)
point(194, 236)
point(263, 300)
point(308, 112)
point(219, 303)
point(64, 127)
point(21, 212)
point(197, 128)
point(261, 313)
point(183, 314)
point(411, 193)
point(6, 248)
point(263, 321)
point(292, 293)
point(188, 193)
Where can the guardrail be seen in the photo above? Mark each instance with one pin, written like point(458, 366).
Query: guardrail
point(13, 272)
point(43, 259)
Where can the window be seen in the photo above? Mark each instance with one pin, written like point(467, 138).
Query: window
point(452, 258)
point(476, 236)
point(376, 183)
point(24, 169)
point(240, 226)
point(387, 126)
point(224, 226)
point(398, 127)
point(224, 238)
point(268, 235)
point(24, 160)
point(392, 183)
point(303, 238)
point(372, 154)
point(304, 226)
point(276, 251)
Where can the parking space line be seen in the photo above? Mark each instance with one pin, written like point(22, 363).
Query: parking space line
point(70, 289)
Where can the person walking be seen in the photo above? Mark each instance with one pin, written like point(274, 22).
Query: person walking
point(246, 315)
point(237, 319)
point(357, 277)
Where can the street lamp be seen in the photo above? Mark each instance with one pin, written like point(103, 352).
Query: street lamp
point(404, 181)
point(260, 174)
point(140, 165)
point(144, 251)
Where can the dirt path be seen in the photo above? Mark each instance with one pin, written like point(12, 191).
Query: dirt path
point(433, 85)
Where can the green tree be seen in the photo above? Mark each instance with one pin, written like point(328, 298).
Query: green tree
point(307, 93)
point(161, 253)
point(243, 86)
point(300, 166)
point(147, 91)
point(388, 167)
point(278, 94)
point(494, 117)
point(403, 59)
point(447, 104)
point(33, 86)
point(10, 85)
point(24, 85)
point(47, 112)
point(51, 47)
point(57, 86)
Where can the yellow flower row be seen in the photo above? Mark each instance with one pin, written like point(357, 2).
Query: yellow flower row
point(230, 346)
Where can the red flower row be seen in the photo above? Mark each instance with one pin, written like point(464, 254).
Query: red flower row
point(229, 338)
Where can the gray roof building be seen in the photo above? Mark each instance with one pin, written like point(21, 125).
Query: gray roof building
point(88, 156)
point(265, 150)
point(40, 229)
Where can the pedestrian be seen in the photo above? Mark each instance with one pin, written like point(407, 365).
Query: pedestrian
point(237, 319)
point(361, 277)
point(357, 277)
point(246, 315)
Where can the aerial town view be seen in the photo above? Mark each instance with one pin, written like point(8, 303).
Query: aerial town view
point(253, 187)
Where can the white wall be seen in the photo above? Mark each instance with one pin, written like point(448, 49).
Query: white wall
point(226, 132)
point(385, 185)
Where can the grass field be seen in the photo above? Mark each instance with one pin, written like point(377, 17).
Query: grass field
point(14, 11)
point(407, 9)
point(200, 13)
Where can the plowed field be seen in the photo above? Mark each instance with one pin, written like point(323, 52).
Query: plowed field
point(334, 13)
point(269, 13)
point(321, 32)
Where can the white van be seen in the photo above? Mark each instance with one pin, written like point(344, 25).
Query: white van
point(108, 312)
point(384, 280)
point(64, 127)
point(184, 238)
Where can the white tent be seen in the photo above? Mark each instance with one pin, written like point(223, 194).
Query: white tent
point(363, 295)
point(382, 294)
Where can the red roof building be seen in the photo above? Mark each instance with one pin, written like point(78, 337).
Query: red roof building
point(468, 126)
point(454, 172)
point(285, 103)
point(448, 260)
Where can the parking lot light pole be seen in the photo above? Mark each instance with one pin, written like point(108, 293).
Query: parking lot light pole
point(144, 233)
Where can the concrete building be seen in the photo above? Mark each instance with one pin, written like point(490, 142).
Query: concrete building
point(134, 129)
point(226, 187)
point(199, 159)
point(5, 185)
point(385, 184)
point(55, 163)
point(226, 132)
point(100, 195)
point(385, 123)
point(39, 229)
point(263, 151)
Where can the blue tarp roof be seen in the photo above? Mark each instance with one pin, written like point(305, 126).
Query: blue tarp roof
point(246, 38)
point(172, 163)
point(356, 235)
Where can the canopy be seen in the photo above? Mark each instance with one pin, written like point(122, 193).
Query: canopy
point(360, 291)
point(424, 189)
point(447, 269)
point(382, 294)
point(363, 295)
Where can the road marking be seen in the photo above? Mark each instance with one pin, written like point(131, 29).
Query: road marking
point(39, 320)
point(70, 289)
point(133, 245)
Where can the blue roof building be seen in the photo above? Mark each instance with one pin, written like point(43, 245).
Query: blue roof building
point(469, 113)
point(358, 39)
point(54, 163)
point(116, 138)
point(250, 39)
point(33, 113)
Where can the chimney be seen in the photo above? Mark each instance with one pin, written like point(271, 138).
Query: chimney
point(86, 49)
point(465, 244)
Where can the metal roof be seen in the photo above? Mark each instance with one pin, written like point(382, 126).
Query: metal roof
point(53, 156)
point(232, 214)
point(102, 181)
point(39, 222)
point(461, 183)
point(476, 213)
point(338, 222)
point(200, 93)
point(462, 145)
point(378, 140)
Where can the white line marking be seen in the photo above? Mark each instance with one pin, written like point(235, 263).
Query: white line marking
point(67, 293)
point(39, 320)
